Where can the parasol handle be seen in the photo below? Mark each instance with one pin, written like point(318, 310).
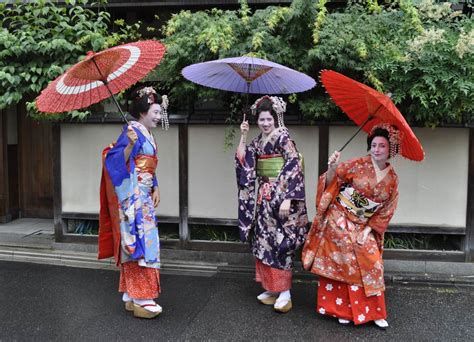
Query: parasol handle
point(116, 103)
point(360, 128)
point(104, 80)
point(247, 97)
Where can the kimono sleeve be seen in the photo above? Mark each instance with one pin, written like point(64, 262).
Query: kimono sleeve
point(290, 183)
point(118, 168)
point(246, 185)
point(326, 192)
point(345, 171)
point(380, 220)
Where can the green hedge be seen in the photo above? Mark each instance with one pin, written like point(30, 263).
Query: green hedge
point(422, 54)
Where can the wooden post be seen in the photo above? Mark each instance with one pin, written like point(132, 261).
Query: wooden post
point(4, 186)
point(184, 235)
point(469, 240)
point(57, 194)
point(323, 149)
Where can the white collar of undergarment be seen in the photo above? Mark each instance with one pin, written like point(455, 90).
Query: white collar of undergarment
point(266, 138)
point(145, 132)
point(380, 174)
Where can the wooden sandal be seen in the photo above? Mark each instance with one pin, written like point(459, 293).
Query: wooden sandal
point(140, 311)
point(284, 309)
point(129, 306)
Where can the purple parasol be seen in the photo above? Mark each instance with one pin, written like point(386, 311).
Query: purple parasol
point(248, 75)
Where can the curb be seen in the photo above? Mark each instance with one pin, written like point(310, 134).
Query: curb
point(89, 260)
point(175, 266)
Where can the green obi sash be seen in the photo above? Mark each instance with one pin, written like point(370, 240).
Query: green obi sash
point(271, 165)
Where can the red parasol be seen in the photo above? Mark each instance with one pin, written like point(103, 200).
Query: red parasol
point(367, 108)
point(100, 75)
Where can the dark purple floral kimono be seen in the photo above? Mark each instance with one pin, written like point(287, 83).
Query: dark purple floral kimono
point(274, 241)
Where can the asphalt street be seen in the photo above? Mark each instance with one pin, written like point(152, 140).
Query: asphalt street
point(56, 303)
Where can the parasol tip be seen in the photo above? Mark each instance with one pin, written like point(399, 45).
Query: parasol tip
point(90, 54)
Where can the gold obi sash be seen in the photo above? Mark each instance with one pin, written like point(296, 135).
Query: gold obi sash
point(146, 163)
point(356, 203)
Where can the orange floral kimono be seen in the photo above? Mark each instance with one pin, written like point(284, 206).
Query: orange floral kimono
point(360, 194)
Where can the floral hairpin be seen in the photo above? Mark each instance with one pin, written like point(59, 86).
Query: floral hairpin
point(395, 137)
point(149, 92)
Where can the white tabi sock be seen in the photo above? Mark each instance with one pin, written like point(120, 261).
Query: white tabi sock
point(344, 321)
point(126, 297)
point(381, 323)
point(266, 294)
point(284, 296)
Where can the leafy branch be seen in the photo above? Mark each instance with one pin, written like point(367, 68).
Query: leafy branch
point(39, 40)
point(422, 53)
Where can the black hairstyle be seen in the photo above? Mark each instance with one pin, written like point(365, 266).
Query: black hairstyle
point(378, 132)
point(264, 105)
point(139, 104)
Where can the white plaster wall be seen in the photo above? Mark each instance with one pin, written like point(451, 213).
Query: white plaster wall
point(168, 170)
point(81, 148)
point(212, 184)
point(433, 192)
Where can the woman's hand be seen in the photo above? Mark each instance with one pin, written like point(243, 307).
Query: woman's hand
point(244, 127)
point(332, 166)
point(334, 160)
point(155, 197)
point(285, 209)
point(363, 235)
point(132, 139)
point(132, 136)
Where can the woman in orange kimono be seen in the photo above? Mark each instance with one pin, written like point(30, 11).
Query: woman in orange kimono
point(355, 202)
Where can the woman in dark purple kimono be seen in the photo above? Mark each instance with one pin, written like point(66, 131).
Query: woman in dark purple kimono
point(272, 209)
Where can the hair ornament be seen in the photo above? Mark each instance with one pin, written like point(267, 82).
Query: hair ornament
point(278, 105)
point(149, 92)
point(165, 124)
point(395, 137)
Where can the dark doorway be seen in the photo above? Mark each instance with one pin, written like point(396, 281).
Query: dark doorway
point(35, 170)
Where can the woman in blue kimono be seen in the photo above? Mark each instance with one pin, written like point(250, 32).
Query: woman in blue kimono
point(129, 196)
point(272, 209)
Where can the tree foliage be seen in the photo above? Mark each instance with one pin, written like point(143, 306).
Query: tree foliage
point(423, 54)
point(39, 40)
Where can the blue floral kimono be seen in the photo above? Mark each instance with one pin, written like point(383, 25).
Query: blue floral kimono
point(133, 182)
point(273, 240)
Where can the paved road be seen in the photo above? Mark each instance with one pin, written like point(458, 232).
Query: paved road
point(54, 303)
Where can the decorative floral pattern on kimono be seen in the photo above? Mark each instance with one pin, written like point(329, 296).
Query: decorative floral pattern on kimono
point(354, 200)
point(273, 240)
point(133, 184)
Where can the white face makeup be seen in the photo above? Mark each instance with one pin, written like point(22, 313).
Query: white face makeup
point(380, 149)
point(152, 118)
point(265, 122)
